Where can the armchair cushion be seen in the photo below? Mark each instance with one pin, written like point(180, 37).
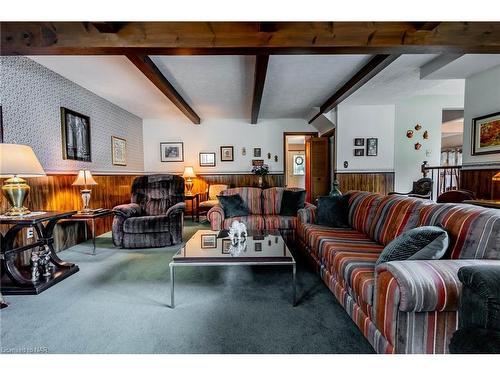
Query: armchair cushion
point(233, 205)
point(147, 224)
point(422, 243)
point(209, 204)
point(127, 210)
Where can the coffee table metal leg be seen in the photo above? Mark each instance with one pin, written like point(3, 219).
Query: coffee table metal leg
point(172, 278)
point(294, 272)
point(93, 236)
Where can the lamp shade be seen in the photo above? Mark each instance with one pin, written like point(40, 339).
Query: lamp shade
point(19, 160)
point(496, 177)
point(84, 178)
point(189, 172)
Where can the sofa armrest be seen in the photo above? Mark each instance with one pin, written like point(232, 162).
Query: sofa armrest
point(424, 285)
point(176, 209)
point(127, 210)
point(307, 215)
point(216, 217)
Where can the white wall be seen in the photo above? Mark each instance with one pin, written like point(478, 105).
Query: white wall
point(365, 121)
point(210, 135)
point(426, 111)
point(482, 97)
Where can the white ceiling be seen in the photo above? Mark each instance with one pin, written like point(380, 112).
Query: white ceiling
point(465, 66)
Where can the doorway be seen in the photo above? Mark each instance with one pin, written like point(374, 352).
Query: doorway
point(295, 154)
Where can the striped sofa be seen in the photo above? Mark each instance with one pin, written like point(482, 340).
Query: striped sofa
point(400, 306)
point(264, 205)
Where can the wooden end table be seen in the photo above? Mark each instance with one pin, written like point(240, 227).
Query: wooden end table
point(46, 268)
point(92, 217)
point(195, 201)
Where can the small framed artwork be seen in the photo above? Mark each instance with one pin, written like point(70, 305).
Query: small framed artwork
point(226, 246)
point(118, 151)
point(75, 129)
point(371, 146)
point(486, 134)
point(171, 151)
point(207, 159)
point(257, 246)
point(359, 142)
point(257, 152)
point(359, 152)
point(226, 153)
point(208, 241)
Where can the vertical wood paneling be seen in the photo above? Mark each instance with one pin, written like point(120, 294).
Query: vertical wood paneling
point(479, 181)
point(376, 182)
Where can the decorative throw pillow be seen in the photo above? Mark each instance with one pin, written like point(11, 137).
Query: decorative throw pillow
point(233, 205)
point(332, 211)
point(424, 243)
point(292, 201)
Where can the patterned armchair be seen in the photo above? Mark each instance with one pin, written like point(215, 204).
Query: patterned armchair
point(154, 218)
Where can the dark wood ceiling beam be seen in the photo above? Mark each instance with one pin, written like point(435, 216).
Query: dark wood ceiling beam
point(261, 62)
point(251, 38)
point(151, 71)
point(367, 72)
point(108, 27)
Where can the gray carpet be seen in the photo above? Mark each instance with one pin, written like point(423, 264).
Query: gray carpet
point(117, 303)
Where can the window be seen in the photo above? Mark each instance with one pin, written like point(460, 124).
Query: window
point(298, 165)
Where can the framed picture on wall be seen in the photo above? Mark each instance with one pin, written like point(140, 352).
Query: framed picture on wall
point(118, 151)
point(359, 141)
point(486, 134)
point(171, 151)
point(371, 146)
point(257, 152)
point(226, 153)
point(359, 152)
point(207, 159)
point(75, 129)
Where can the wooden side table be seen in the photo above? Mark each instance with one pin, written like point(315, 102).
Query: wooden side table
point(92, 217)
point(195, 201)
point(46, 268)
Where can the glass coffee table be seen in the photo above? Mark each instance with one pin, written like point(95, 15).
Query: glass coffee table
point(213, 248)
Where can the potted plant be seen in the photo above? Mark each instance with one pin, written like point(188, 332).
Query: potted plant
point(261, 171)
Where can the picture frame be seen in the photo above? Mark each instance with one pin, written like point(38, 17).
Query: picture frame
point(257, 162)
point(257, 152)
point(486, 134)
point(226, 246)
point(208, 241)
point(118, 151)
point(76, 139)
point(371, 146)
point(359, 152)
point(171, 152)
point(359, 142)
point(226, 153)
point(257, 246)
point(207, 159)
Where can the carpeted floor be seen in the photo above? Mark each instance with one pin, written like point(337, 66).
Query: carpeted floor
point(117, 303)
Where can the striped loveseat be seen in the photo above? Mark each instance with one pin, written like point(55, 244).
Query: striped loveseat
point(400, 306)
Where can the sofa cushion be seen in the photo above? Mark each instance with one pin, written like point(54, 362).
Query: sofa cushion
point(362, 207)
point(424, 243)
point(250, 195)
point(233, 205)
point(280, 222)
point(291, 202)
point(209, 203)
point(394, 215)
point(253, 222)
point(332, 211)
point(146, 224)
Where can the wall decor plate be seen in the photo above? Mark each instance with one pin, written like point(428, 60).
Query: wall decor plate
point(75, 129)
point(226, 153)
point(486, 134)
point(118, 151)
point(171, 151)
point(371, 146)
point(207, 159)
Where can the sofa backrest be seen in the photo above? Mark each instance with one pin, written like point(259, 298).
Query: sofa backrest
point(474, 231)
point(362, 207)
point(394, 215)
point(155, 194)
point(250, 195)
point(271, 199)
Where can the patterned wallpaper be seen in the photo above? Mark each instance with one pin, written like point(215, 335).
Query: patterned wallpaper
point(31, 96)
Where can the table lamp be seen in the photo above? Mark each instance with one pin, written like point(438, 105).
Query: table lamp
point(189, 175)
point(18, 161)
point(85, 179)
point(496, 178)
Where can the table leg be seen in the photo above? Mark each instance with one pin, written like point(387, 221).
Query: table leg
point(93, 236)
point(294, 287)
point(172, 280)
point(45, 233)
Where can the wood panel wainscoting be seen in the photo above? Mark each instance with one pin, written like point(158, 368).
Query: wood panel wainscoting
point(479, 181)
point(201, 182)
point(376, 182)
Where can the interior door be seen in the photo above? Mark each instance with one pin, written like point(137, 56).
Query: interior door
point(318, 168)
